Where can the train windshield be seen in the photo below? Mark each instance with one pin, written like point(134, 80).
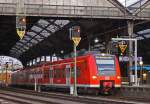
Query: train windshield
point(106, 66)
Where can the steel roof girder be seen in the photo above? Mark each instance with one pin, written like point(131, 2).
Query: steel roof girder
point(117, 4)
point(141, 8)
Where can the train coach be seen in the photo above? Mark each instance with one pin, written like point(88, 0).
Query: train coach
point(95, 71)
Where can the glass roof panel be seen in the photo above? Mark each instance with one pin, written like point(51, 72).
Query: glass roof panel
point(19, 51)
point(139, 38)
point(19, 44)
point(35, 28)
point(31, 33)
point(23, 50)
point(45, 33)
point(26, 37)
point(52, 28)
point(26, 47)
point(12, 50)
point(61, 23)
point(147, 36)
point(30, 44)
point(51, 20)
point(23, 41)
point(144, 31)
point(38, 37)
point(43, 23)
point(34, 41)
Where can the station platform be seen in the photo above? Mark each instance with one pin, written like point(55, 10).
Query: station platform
point(141, 91)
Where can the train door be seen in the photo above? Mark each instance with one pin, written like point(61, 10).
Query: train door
point(68, 75)
point(51, 75)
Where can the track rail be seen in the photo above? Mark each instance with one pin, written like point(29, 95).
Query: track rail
point(22, 99)
point(59, 98)
point(8, 99)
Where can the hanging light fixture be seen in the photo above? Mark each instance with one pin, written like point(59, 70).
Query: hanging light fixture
point(96, 40)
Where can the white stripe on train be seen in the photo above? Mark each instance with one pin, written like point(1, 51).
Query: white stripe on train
point(79, 85)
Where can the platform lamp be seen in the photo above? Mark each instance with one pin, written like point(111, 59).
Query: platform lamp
point(96, 40)
point(141, 71)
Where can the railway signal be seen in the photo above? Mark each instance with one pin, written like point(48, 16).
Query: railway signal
point(122, 47)
point(20, 19)
point(21, 26)
point(75, 36)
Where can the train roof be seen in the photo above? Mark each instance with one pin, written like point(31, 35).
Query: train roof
point(80, 54)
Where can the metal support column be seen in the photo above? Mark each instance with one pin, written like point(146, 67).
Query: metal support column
point(35, 83)
point(135, 55)
point(75, 71)
point(130, 32)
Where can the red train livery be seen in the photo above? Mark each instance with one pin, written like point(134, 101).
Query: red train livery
point(94, 71)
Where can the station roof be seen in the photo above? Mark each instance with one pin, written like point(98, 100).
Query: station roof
point(46, 36)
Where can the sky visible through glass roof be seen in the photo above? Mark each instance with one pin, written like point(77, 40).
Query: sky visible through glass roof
point(128, 2)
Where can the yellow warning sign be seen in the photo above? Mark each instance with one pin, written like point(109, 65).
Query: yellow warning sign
point(76, 40)
point(20, 33)
point(122, 47)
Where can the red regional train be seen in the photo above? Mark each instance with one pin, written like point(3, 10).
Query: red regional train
point(97, 72)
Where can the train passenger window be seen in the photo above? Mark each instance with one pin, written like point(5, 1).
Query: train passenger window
point(51, 73)
point(55, 73)
point(47, 74)
point(58, 73)
point(78, 72)
point(63, 73)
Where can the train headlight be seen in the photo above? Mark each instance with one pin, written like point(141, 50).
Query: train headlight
point(118, 77)
point(94, 77)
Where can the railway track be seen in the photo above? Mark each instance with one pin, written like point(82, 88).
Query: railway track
point(21, 99)
point(55, 98)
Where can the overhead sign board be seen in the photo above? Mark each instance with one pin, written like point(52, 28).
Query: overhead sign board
point(126, 58)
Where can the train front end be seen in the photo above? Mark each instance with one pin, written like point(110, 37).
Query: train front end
point(108, 73)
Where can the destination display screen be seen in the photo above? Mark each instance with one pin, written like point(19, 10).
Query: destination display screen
point(106, 65)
